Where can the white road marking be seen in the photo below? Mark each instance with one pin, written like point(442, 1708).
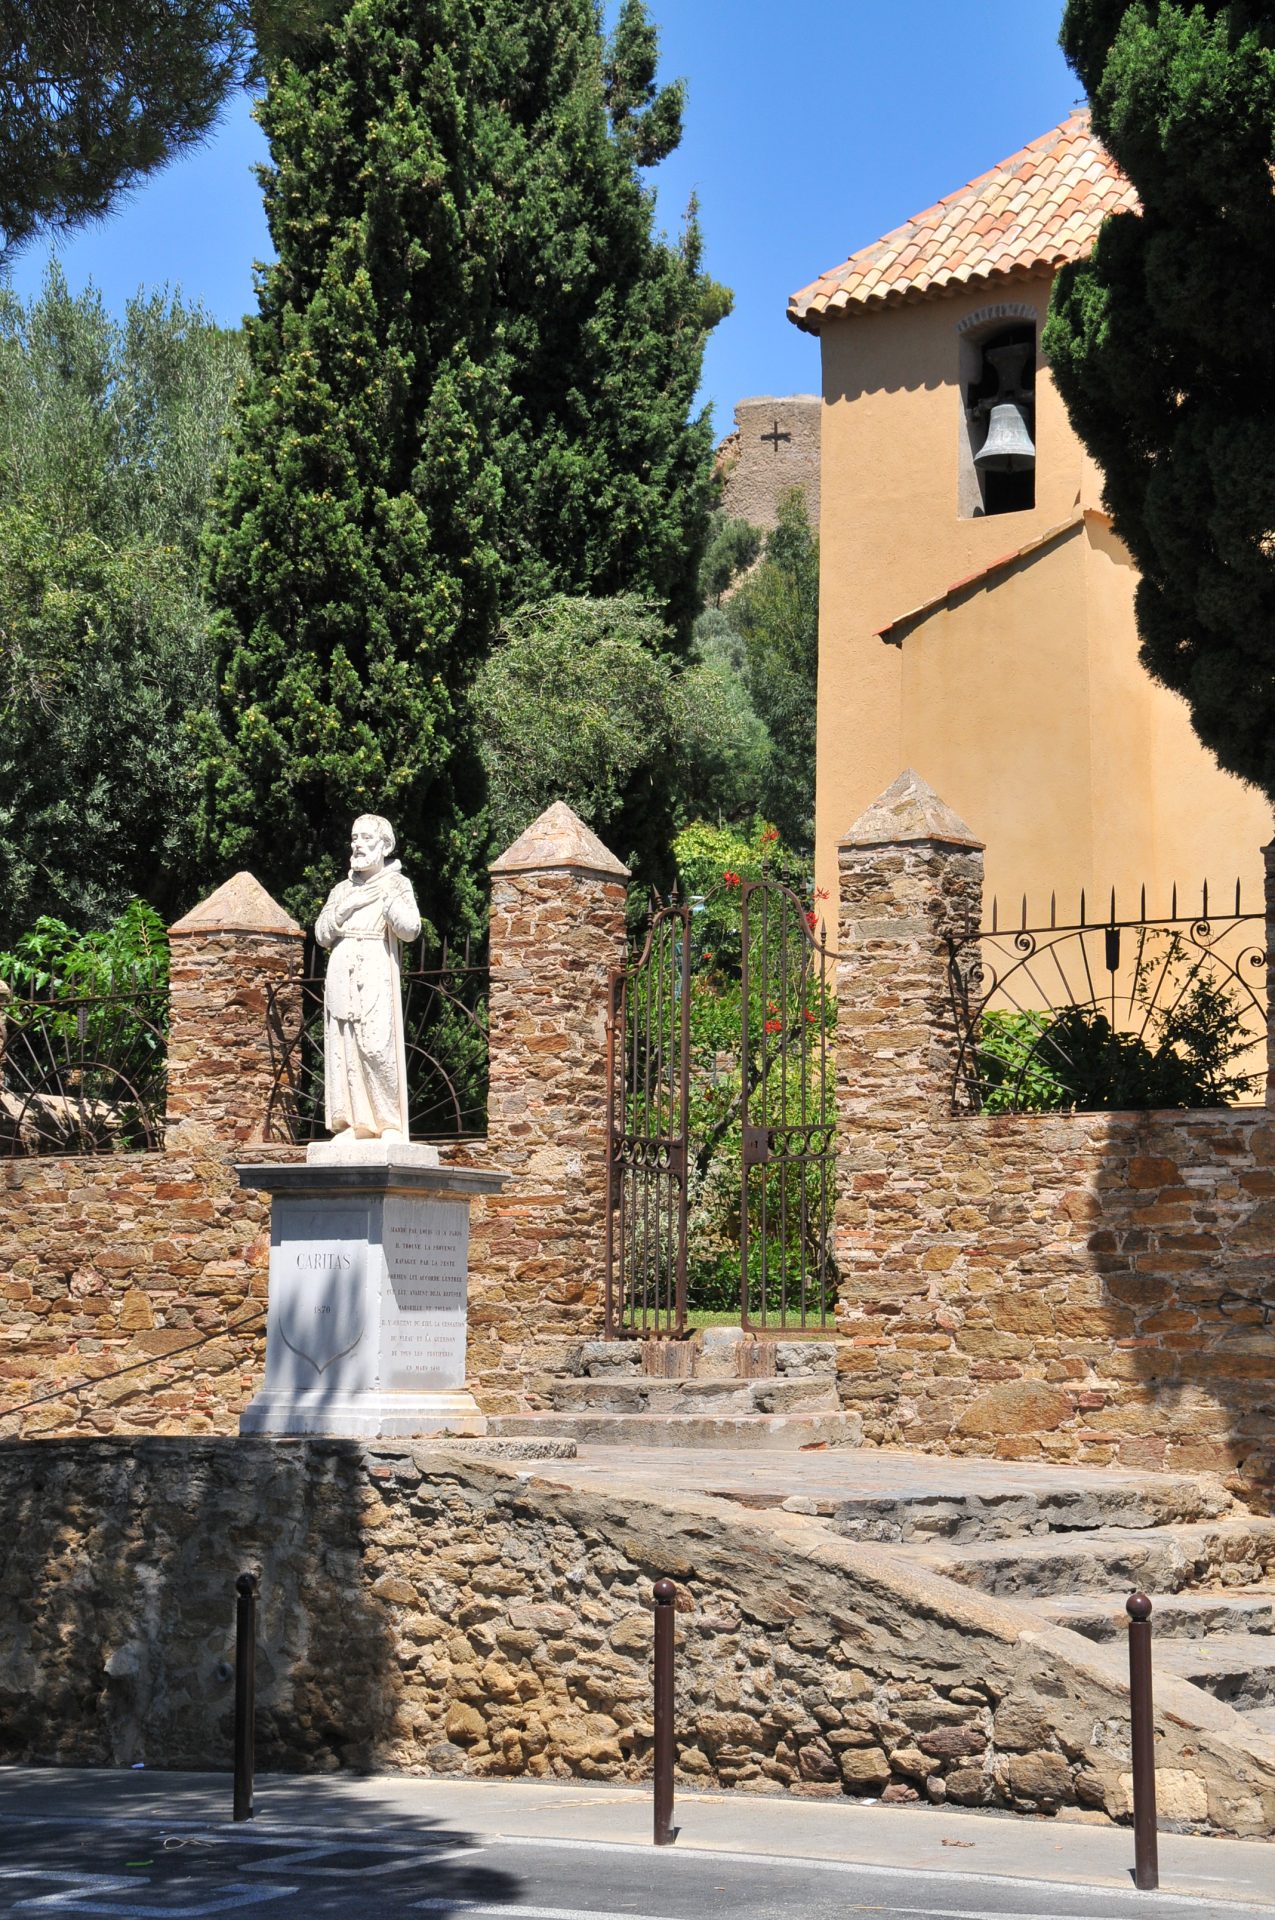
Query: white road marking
point(73, 1902)
point(538, 1913)
point(76, 1882)
point(290, 1860)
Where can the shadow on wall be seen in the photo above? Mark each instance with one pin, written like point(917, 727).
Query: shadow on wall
point(107, 1655)
point(1182, 1240)
point(1075, 1287)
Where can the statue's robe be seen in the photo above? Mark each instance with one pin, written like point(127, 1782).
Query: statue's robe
point(365, 1065)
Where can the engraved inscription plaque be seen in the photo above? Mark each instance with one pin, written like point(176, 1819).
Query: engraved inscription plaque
point(318, 1276)
point(423, 1301)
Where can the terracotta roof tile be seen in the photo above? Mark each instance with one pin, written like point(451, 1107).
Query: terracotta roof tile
point(1040, 207)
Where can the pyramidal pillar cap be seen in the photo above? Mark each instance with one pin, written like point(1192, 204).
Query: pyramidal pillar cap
point(907, 812)
point(559, 841)
point(240, 905)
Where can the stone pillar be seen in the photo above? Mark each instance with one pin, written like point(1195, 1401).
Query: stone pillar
point(910, 872)
point(557, 930)
point(1268, 855)
point(224, 955)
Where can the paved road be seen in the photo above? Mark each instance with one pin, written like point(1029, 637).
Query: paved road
point(119, 1867)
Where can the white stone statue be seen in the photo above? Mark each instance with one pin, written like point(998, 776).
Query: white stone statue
point(362, 925)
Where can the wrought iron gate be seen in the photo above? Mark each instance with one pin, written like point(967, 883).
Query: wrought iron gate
point(680, 1110)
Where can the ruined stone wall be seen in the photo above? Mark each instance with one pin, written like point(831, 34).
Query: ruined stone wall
point(1029, 1285)
point(773, 447)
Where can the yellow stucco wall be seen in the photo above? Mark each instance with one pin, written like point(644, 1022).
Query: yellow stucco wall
point(1021, 701)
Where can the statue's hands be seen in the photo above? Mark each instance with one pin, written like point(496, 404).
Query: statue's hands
point(345, 909)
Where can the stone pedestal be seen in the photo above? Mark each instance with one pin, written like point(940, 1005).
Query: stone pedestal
point(367, 1322)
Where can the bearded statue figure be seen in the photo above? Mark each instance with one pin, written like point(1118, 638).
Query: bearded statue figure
point(364, 921)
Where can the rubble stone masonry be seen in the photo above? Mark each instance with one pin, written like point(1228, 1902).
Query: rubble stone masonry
point(537, 1266)
point(458, 1616)
point(1031, 1286)
point(225, 955)
point(116, 1269)
point(110, 1264)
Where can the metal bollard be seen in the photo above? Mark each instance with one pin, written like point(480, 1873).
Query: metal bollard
point(245, 1691)
point(1146, 1864)
point(665, 1595)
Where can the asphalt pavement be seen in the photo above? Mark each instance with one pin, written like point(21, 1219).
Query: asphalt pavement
point(161, 1846)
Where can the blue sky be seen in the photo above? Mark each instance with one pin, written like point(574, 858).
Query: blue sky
point(812, 127)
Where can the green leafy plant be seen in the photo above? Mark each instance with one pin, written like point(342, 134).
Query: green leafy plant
point(52, 961)
point(788, 998)
point(83, 1041)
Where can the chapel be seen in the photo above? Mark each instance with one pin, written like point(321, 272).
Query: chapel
point(976, 609)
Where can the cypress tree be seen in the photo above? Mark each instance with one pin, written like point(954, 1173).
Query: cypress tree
point(472, 373)
point(1162, 343)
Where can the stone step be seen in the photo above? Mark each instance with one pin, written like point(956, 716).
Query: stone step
point(764, 1432)
point(1175, 1616)
point(645, 1394)
point(1261, 1719)
point(1029, 1512)
point(1236, 1667)
point(716, 1353)
point(1220, 1553)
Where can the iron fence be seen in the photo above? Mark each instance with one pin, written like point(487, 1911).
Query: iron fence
point(445, 1035)
point(1110, 1013)
point(83, 1074)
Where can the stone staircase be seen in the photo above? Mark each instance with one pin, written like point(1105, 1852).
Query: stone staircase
point(722, 1388)
point(1072, 1557)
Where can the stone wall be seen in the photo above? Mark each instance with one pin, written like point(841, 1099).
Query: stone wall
point(468, 1618)
point(112, 1263)
point(774, 446)
point(1029, 1285)
point(115, 1263)
point(133, 1285)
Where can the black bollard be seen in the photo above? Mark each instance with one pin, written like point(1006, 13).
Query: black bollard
point(665, 1595)
point(1146, 1864)
point(245, 1691)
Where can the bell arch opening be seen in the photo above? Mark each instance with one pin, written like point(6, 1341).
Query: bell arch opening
point(997, 464)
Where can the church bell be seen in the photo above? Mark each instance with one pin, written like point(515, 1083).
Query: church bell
point(1008, 447)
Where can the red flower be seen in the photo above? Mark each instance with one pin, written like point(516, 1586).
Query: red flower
point(812, 919)
point(771, 1007)
point(774, 1026)
point(771, 833)
point(731, 879)
point(821, 893)
point(809, 1016)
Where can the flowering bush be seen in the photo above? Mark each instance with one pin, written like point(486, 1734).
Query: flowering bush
point(786, 1214)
